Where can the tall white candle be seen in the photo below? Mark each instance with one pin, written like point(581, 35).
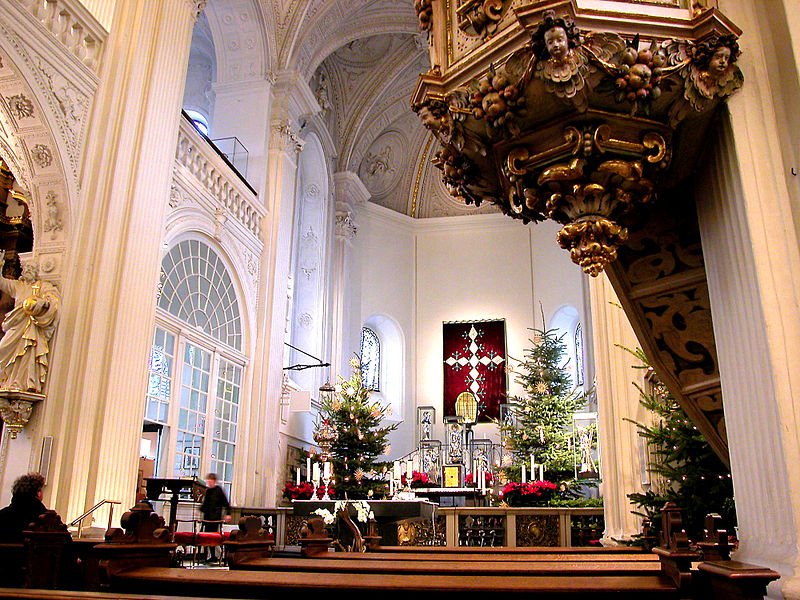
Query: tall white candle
point(482, 480)
point(533, 467)
point(541, 472)
point(298, 475)
point(315, 471)
point(524, 479)
point(326, 469)
point(409, 469)
point(391, 487)
point(396, 470)
point(415, 464)
point(308, 469)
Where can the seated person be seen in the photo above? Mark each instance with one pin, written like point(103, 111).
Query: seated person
point(26, 505)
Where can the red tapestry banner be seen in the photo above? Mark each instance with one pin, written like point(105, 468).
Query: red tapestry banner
point(475, 361)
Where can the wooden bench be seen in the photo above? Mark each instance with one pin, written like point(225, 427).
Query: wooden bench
point(137, 562)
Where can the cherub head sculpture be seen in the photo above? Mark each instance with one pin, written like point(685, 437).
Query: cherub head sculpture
point(716, 57)
point(555, 37)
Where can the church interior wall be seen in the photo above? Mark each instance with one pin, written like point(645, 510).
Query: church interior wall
point(424, 272)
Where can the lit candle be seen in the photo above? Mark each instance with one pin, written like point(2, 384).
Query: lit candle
point(298, 475)
point(533, 467)
point(308, 469)
point(524, 479)
point(541, 472)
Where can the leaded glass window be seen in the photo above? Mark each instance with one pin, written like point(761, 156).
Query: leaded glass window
point(370, 359)
point(579, 354)
point(194, 381)
point(198, 290)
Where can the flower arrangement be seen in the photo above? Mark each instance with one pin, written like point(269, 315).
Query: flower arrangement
point(527, 494)
point(470, 479)
point(418, 479)
point(304, 491)
point(363, 511)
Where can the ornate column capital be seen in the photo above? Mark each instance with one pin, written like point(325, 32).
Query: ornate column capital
point(286, 137)
point(346, 227)
point(196, 7)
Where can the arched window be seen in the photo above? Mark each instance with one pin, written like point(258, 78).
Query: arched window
point(199, 291)
point(199, 121)
point(579, 354)
point(195, 367)
point(371, 359)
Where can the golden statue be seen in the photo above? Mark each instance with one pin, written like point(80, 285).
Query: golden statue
point(27, 330)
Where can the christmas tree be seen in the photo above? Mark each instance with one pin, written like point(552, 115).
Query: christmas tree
point(541, 419)
point(360, 436)
point(688, 472)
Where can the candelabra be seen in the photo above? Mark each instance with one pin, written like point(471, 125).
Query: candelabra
point(325, 435)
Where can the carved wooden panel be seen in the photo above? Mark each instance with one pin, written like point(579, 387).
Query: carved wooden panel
point(661, 282)
point(537, 530)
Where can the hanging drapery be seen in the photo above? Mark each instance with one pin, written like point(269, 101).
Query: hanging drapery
point(475, 361)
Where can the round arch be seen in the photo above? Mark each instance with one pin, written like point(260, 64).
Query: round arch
point(565, 321)
point(392, 362)
point(192, 231)
point(33, 147)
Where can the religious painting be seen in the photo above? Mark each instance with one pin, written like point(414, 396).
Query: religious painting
point(452, 476)
point(475, 361)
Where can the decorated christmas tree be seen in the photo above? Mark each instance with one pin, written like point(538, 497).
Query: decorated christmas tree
point(541, 420)
point(687, 471)
point(360, 436)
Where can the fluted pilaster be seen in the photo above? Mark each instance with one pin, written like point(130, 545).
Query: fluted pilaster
point(97, 391)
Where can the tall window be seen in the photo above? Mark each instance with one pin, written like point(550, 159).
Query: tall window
point(196, 365)
point(371, 359)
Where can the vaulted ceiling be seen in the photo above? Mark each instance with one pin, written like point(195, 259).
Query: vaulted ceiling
point(362, 59)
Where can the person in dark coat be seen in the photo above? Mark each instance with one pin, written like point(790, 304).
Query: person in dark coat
point(215, 502)
point(26, 505)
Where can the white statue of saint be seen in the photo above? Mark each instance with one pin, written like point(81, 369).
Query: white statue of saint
point(27, 328)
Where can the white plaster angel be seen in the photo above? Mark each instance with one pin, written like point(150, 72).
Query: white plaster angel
point(28, 328)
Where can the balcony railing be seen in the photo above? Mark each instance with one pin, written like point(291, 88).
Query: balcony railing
point(211, 168)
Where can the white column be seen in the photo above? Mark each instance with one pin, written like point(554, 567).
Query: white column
point(753, 264)
point(96, 394)
point(350, 193)
point(262, 455)
point(617, 400)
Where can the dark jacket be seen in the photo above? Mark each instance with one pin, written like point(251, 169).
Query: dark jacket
point(16, 517)
point(213, 503)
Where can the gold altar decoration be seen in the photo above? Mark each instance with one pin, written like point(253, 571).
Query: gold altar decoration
point(16, 408)
point(576, 115)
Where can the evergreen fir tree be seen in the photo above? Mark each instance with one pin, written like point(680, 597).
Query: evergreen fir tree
point(543, 417)
point(691, 473)
point(361, 437)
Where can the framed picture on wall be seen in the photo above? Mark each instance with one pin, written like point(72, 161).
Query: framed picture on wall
point(452, 476)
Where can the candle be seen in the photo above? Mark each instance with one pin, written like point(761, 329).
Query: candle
point(533, 467)
point(409, 468)
point(541, 472)
point(482, 479)
point(391, 488)
point(308, 469)
point(524, 479)
point(327, 470)
point(315, 471)
point(415, 464)
point(396, 470)
point(298, 475)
